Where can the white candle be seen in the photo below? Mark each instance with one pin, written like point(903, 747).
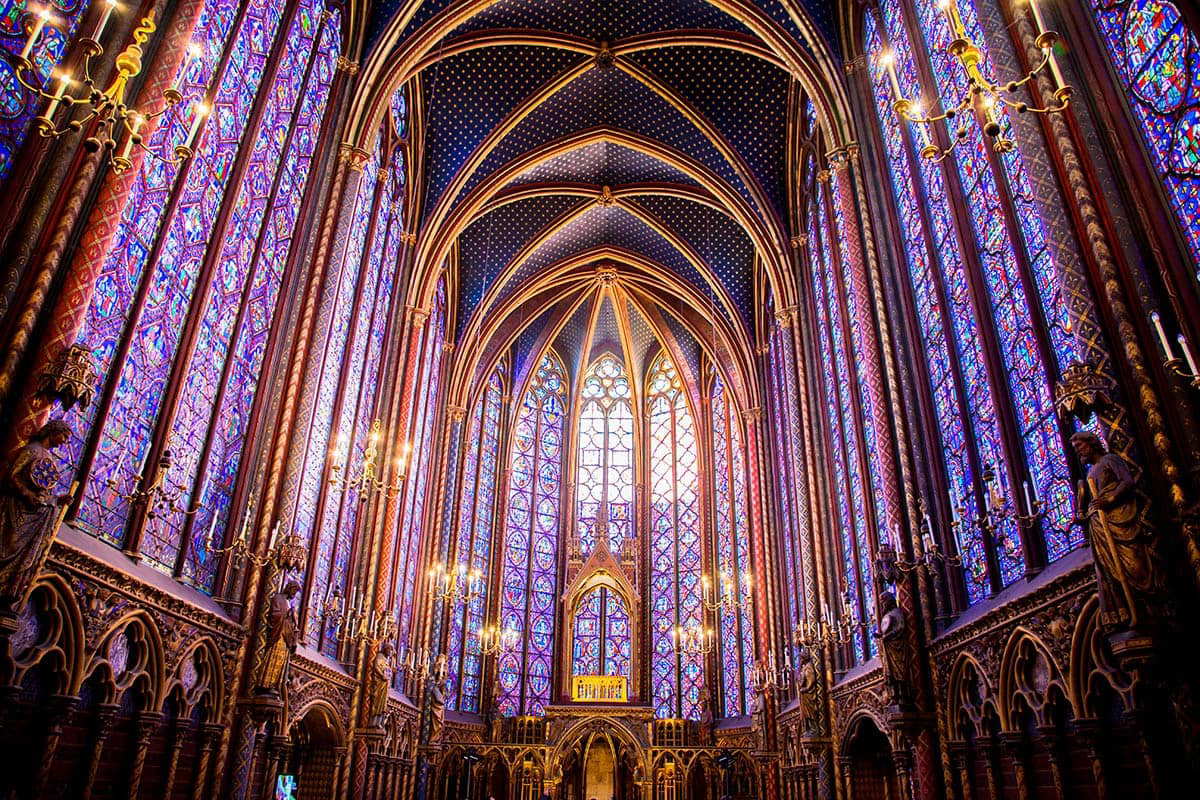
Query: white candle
point(208, 537)
point(190, 55)
point(135, 123)
point(1162, 335)
point(64, 83)
point(1029, 504)
point(39, 22)
point(1187, 353)
point(1037, 16)
point(888, 59)
point(201, 111)
point(109, 5)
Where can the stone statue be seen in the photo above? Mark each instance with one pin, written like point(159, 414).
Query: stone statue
point(379, 681)
point(758, 711)
point(898, 667)
point(437, 694)
point(808, 686)
point(29, 513)
point(282, 637)
point(1129, 570)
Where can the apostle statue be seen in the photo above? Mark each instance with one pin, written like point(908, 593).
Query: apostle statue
point(282, 637)
point(1129, 570)
point(899, 669)
point(29, 513)
point(808, 686)
point(379, 682)
point(437, 693)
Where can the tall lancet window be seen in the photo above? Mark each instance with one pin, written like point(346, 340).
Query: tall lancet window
point(473, 542)
point(605, 454)
point(1157, 59)
point(991, 311)
point(675, 542)
point(529, 586)
point(736, 631)
point(184, 303)
point(602, 644)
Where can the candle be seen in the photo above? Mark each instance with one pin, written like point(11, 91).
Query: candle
point(950, 9)
point(1162, 335)
point(191, 54)
point(1187, 353)
point(274, 535)
point(888, 59)
point(1029, 504)
point(39, 22)
point(208, 537)
point(64, 83)
point(1037, 16)
point(201, 111)
point(135, 123)
point(109, 5)
point(927, 542)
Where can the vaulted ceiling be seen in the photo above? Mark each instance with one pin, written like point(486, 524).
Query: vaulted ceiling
point(640, 149)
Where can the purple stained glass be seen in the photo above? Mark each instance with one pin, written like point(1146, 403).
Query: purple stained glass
point(1157, 59)
point(242, 293)
point(948, 323)
point(155, 337)
point(141, 222)
point(476, 502)
point(1028, 375)
point(675, 547)
point(399, 108)
point(18, 105)
point(735, 635)
point(843, 428)
point(529, 571)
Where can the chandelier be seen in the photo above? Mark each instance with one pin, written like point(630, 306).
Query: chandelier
point(694, 640)
point(983, 93)
point(455, 585)
point(106, 110)
point(368, 480)
point(733, 596)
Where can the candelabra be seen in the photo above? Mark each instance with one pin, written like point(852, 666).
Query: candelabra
point(356, 620)
point(157, 494)
point(287, 554)
point(106, 108)
point(891, 563)
point(983, 93)
point(416, 664)
point(367, 481)
point(734, 595)
point(455, 584)
point(694, 640)
point(770, 676)
point(1174, 363)
point(826, 631)
point(493, 641)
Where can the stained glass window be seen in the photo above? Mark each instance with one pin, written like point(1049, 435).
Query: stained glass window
point(473, 542)
point(188, 298)
point(602, 643)
point(735, 634)
point(675, 542)
point(1157, 58)
point(18, 106)
point(422, 437)
point(1014, 270)
point(605, 454)
point(845, 442)
point(529, 585)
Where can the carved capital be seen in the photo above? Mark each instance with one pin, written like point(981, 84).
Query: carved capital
point(353, 156)
point(799, 240)
point(71, 379)
point(457, 413)
point(1082, 391)
point(343, 64)
point(418, 315)
point(787, 317)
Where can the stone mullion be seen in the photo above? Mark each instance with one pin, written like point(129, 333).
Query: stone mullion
point(146, 723)
point(57, 712)
point(209, 736)
point(180, 731)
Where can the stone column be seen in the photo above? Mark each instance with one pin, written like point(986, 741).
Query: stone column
point(210, 734)
point(145, 724)
point(106, 715)
point(58, 711)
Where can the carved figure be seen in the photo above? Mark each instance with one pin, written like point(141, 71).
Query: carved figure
point(898, 667)
point(282, 637)
point(437, 694)
point(1129, 570)
point(29, 513)
point(808, 686)
point(380, 674)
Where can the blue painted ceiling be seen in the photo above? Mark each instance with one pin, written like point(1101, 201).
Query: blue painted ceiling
point(722, 112)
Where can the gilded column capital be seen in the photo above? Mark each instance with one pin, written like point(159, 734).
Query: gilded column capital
point(353, 156)
point(418, 315)
point(824, 176)
point(343, 64)
point(751, 415)
point(457, 413)
point(408, 238)
point(786, 317)
point(799, 240)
